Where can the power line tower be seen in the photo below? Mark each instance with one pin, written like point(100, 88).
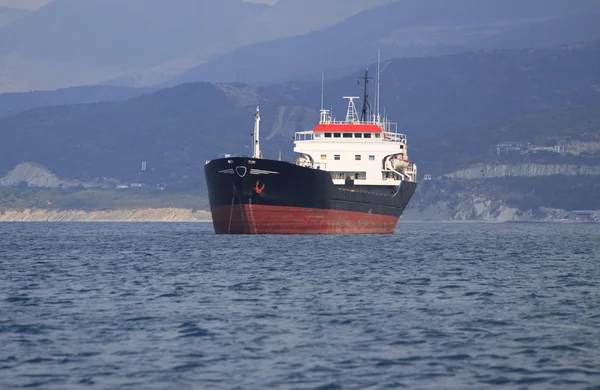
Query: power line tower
point(241, 75)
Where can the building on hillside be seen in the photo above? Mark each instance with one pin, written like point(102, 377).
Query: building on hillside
point(582, 215)
point(509, 148)
point(427, 177)
point(553, 149)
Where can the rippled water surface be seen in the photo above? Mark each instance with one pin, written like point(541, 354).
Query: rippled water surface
point(172, 306)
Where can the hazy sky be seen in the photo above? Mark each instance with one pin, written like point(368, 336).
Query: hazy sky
point(35, 4)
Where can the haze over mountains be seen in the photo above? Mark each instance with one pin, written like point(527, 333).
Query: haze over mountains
point(86, 42)
point(8, 15)
point(142, 42)
point(157, 42)
point(24, 4)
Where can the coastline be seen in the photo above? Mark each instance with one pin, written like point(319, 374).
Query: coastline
point(128, 215)
point(180, 215)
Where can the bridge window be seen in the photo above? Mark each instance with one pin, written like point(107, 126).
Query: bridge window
point(376, 135)
point(327, 135)
point(357, 157)
point(367, 135)
point(401, 146)
point(317, 135)
point(357, 135)
point(347, 135)
point(336, 157)
point(371, 158)
point(323, 157)
point(337, 135)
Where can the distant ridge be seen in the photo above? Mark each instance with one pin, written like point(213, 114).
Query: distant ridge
point(15, 102)
point(409, 28)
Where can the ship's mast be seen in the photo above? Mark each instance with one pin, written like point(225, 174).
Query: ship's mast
point(378, 102)
point(366, 105)
point(322, 90)
point(256, 137)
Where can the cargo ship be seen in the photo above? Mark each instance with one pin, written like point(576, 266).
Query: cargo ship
point(349, 177)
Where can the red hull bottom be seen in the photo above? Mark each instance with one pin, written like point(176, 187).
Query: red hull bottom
point(261, 219)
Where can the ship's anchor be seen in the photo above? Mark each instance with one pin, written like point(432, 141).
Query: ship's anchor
point(259, 189)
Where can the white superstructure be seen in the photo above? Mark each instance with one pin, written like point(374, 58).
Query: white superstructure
point(369, 152)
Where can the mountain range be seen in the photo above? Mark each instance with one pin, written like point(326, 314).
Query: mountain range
point(438, 101)
point(409, 28)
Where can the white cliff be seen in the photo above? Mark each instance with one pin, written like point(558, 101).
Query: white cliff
point(472, 200)
point(490, 171)
point(36, 175)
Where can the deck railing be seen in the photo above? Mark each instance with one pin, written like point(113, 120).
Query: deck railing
point(385, 136)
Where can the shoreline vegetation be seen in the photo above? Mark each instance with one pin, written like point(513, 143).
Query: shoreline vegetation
point(94, 199)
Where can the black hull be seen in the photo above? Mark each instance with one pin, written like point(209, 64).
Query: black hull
point(277, 189)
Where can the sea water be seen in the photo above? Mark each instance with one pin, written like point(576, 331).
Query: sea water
point(173, 306)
